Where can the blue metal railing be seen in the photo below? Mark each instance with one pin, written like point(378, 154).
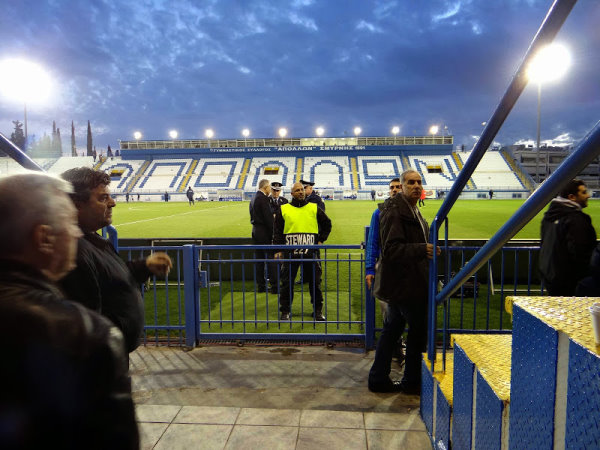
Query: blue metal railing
point(584, 154)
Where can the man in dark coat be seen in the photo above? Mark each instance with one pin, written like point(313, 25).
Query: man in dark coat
point(261, 219)
point(64, 381)
point(568, 239)
point(102, 281)
point(401, 281)
point(311, 195)
point(190, 195)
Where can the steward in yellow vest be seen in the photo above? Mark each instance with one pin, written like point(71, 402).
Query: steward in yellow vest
point(299, 224)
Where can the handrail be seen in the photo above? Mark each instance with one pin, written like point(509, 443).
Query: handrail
point(17, 154)
point(557, 14)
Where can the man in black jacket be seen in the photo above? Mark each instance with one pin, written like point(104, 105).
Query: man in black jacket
point(276, 199)
point(568, 239)
point(102, 281)
point(261, 219)
point(401, 281)
point(301, 223)
point(311, 195)
point(64, 381)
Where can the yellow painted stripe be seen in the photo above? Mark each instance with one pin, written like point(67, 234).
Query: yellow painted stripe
point(188, 175)
point(244, 174)
point(299, 168)
point(354, 166)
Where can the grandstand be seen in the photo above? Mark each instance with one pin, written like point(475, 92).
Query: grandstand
point(340, 167)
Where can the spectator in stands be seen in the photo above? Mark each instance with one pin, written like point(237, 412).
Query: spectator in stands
point(301, 223)
point(102, 281)
point(373, 194)
point(311, 195)
point(261, 219)
point(64, 381)
point(190, 195)
point(373, 253)
point(401, 280)
point(276, 199)
point(567, 240)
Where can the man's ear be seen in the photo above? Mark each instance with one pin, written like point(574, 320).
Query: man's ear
point(44, 238)
point(572, 197)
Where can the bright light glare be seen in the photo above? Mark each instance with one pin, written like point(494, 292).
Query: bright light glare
point(137, 135)
point(245, 132)
point(209, 133)
point(395, 130)
point(320, 131)
point(282, 132)
point(434, 129)
point(357, 131)
point(173, 134)
point(550, 63)
point(24, 81)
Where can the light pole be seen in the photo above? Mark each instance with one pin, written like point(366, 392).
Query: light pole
point(245, 133)
point(24, 82)
point(550, 64)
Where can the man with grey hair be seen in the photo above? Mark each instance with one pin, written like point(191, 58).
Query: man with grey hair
point(64, 382)
point(401, 281)
point(261, 219)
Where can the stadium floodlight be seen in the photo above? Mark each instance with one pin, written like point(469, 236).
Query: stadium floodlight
point(395, 130)
point(209, 133)
point(282, 132)
point(357, 131)
point(433, 129)
point(173, 134)
point(320, 131)
point(137, 135)
point(245, 132)
point(24, 82)
point(550, 64)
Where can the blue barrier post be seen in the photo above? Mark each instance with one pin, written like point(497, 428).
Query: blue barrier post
point(17, 154)
point(190, 294)
point(369, 306)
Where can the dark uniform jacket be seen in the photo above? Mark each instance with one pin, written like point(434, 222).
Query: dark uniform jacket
point(64, 381)
point(261, 219)
point(568, 239)
point(276, 203)
point(315, 198)
point(402, 272)
point(106, 284)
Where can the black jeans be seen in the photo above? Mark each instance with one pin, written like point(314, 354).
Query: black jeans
point(416, 342)
point(311, 272)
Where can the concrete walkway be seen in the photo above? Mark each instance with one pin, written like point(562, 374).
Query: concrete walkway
point(228, 397)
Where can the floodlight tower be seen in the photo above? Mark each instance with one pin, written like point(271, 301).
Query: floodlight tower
point(550, 64)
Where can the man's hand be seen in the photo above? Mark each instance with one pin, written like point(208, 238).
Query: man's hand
point(369, 279)
point(438, 251)
point(159, 263)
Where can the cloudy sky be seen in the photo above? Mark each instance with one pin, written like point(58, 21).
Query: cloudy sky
point(154, 65)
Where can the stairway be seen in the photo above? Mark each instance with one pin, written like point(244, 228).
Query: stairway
point(138, 175)
point(184, 183)
point(459, 165)
point(354, 168)
point(538, 389)
point(523, 176)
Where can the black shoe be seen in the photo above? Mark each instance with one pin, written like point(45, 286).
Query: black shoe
point(391, 386)
point(319, 317)
point(284, 316)
point(410, 388)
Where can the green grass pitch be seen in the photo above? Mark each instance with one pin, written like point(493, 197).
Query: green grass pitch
point(469, 219)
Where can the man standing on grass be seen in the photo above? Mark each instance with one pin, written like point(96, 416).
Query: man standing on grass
point(311, 195)
point(102, 281)
point(401, 281)
point(568, 239)
point(261, 219)
point(301, 223)
point(373, 253)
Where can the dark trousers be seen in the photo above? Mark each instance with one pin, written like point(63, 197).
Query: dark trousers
point(271, 271)
point(416, 342)
point(311, 272)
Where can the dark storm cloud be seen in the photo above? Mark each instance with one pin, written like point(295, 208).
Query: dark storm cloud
point(156, 65)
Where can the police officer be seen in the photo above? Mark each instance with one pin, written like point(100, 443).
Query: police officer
point(311, 195)
point(276, 199)
point(301, 223)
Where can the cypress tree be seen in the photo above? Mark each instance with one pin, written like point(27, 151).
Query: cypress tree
point(73, 149)
point(89, 140)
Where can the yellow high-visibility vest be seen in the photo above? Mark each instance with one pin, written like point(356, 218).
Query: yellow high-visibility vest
point(300, 220)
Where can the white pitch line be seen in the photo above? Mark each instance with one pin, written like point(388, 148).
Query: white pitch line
point(171, 215)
